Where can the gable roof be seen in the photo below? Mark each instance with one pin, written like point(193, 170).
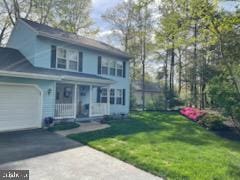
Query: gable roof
point(12, 60)
point(58, 34)
point(149, 86)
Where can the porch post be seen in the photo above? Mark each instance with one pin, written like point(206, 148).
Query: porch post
point(75, 100)
point(108, 100)
point(90, 100)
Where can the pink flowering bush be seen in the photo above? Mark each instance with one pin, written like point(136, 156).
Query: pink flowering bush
point(192, 113)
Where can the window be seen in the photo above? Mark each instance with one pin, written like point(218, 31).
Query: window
point(72, 56)
point(112, 68)
point(112, 96)
point(119, 69)
point(67, 59)
point(119, 96)
point(105, 67)
point(103, 97)
point(61, 58)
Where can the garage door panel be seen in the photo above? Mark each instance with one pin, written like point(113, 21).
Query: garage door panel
point(20, 107)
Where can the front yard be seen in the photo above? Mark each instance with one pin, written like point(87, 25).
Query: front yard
point(168, 145)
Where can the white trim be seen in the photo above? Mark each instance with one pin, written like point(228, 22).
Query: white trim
point(65, 117)
point(28, 75)
point(52, 77)
point(67, 59)
point(41, 98)
point(92, 80)
point(75, 100)
point(108, 100)
point(90, 100)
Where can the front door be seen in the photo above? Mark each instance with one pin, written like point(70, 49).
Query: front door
point(83, 101)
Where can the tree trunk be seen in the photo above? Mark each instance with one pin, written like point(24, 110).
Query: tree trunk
point(171, 80)
point(180, 74)
point(194, 73)
point(166, 80)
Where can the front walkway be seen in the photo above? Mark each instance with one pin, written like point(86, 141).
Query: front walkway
point(73, 161)
point(84, 127)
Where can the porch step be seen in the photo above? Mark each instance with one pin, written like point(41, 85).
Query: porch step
point(89, 119)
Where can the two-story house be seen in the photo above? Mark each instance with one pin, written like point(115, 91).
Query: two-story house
point(46, 72)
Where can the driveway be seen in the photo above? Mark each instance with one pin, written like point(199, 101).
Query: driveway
point(51, 156)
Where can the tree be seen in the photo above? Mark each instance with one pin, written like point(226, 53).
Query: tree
point(74, 16)
point(69, 15)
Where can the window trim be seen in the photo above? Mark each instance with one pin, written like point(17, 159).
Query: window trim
point(67, 59)
point(101, 95)
point(118, 63)
point(112, 96)
point(121, 96)
point(115, 67)
point(104, 60)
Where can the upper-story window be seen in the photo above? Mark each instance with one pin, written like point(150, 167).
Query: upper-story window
point(119, 69)
point(73, 60)
point(67, 59)
point(105, 67)
point(61, 58)
point(112, 67)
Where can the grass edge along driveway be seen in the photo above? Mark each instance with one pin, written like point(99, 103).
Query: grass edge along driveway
point(167, 145)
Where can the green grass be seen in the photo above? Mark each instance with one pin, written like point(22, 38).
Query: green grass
point(64, 126)
point(168, 145)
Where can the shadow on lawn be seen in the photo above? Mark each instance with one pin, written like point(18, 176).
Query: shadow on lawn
point(175, 128)
point(171, 126)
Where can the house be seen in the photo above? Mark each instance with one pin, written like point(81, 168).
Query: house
point(46, 72)
point(152, 93)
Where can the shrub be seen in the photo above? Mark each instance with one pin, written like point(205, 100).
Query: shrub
point(192, 113)
point(107, 118)
point(64, 126)
point(48, 121)
point(213, 121)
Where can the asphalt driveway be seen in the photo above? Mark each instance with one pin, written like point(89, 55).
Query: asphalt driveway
point(51, 156)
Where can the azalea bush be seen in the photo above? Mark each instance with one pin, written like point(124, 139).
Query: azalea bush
point(192, 113)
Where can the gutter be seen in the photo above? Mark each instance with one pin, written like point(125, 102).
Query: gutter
point(88, 80)
point(29, 75)
point(55, 78)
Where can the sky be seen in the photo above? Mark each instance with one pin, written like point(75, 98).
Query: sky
point(99, 7)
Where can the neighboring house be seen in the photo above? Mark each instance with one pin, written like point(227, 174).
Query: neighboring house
point(152, 93)
point(46, 72)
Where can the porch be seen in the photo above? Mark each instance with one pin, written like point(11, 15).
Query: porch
point(81, 101)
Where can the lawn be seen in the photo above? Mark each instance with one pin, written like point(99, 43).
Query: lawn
point(168, 145)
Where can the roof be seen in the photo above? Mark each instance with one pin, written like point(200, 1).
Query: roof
point(58, 34)
point(149, 86)
point(13, 61)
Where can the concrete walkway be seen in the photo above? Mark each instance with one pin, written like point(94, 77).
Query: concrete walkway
point(84, 127)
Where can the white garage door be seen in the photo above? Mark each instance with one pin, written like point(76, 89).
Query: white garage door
point(20, 107)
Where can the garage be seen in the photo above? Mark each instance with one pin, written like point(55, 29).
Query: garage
point(20, 107)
